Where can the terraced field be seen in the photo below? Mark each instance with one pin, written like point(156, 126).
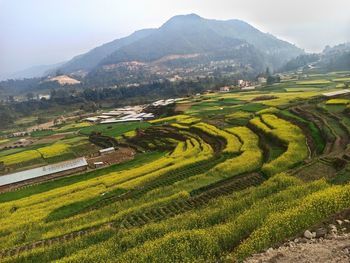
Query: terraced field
point(229, 177)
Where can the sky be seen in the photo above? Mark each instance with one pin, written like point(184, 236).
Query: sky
point(42, 32)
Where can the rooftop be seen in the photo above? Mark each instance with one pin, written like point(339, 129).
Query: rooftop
point(42, 171)
point(335, 93)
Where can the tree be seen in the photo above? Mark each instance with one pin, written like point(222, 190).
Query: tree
point(58, 72)
point(273, 79)
point(30, 96)
point(11, 99)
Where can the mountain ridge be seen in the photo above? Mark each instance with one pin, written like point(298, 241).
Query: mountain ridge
point(183, 35)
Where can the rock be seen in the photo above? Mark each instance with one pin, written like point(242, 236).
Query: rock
point(331, 236)
point(341, 237)
point(270, 250)
point(347, 221)
point(339, 222)
point(309, 235)
point(303, 240)
point(321, 232)
point(333, 229)
point(331, 226)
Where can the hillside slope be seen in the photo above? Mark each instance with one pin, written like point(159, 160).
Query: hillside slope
point(200, 40)
point(91, 59)
point(193, 34)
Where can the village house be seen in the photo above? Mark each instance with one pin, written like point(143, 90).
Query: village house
point(224, 89)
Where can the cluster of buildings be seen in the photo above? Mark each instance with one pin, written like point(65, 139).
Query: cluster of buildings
point(244, 85)
point(165, 102)
point(125, 114)
point(130, 113)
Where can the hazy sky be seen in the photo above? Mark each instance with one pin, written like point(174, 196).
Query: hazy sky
point(35, 32)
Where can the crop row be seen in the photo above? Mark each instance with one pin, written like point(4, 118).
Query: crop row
point(326, 132)
point(151, 215)
point(237, 225)
point(233, 145)
point(168, 178)
point(59, 203)
point(250, 158)
point(187, 150)
point(208, 241)
point(288, 133)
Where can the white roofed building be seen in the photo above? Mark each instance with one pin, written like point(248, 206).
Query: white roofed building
point(48, 171)
point(336, 93)
point(107, 150)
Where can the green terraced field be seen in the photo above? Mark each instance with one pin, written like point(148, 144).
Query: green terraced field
point(230, 177)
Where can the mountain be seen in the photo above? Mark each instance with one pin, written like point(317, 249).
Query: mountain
point(184, 41)
point(335, 58)
point(187, 34)
point(32, 72)
point(91, 59)
point(300, 62)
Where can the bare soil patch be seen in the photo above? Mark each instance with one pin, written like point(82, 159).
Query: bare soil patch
point(122, 154)
point(320, 251)
point(332, 244)
point(64, 79)
point(315, 171)
point(51, 138)
point(182, 107)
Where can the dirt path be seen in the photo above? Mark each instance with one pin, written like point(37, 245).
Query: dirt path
point(318, 250)
point(331, 244)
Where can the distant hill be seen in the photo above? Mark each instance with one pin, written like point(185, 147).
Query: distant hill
point(185, 40)
point(300, 61)
point(32, 72)
point(187, 34)
point(91, 59)
point(335, 58)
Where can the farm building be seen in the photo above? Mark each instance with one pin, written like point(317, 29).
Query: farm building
point(262, 80)
point(148, 116)
point(98, 164)
point(224, 89)
point(92, 119)
point(164, 102)
point(112, 113)
point(107, 150)
point(120, 120)
point(336, 93)
point(103, 117)
point(48, 171)
point(19, 134)
point(248, 88)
